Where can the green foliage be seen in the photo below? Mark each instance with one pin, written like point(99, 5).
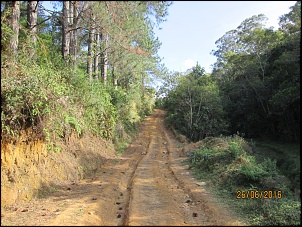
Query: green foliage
point(69, 120)
point(194, 106)
point(251, 171)
point(40, 98)
point(46, 100)
point(289, 166)
point(257, 71)
point(284, 213)
point(54, 97)
point(24, 100)
point(6, 34)
point(94, 106)
point(234, 162)
point(231, 165)
point(148, 101)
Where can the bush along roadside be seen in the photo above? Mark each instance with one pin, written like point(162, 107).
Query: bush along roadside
point(52, 103)
point(256, 189)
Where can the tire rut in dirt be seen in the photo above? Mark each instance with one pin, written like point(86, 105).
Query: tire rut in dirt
point(156, 197)
point(149, 195)
point(147, 185)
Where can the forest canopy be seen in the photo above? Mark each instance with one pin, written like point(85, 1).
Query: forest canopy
point(254, 89)
point(78, 67)
point(87, 66)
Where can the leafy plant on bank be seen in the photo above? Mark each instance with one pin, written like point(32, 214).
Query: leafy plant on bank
point(230, 164)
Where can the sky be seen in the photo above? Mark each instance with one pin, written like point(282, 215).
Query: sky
point(192, 28)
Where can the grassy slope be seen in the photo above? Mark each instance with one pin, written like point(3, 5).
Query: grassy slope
point(284, 211)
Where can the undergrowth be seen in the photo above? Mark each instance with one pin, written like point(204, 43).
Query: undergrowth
point(54, 100)
point(255, 186)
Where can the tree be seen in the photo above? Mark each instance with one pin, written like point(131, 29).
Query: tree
point(258, 70)
point(65, 30)
point(194, 106)
point(285, 77)
point(111, 39)
point(32, 17)
point(14, 6)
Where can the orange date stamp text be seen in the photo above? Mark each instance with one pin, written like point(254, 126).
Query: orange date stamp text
point(259, 194)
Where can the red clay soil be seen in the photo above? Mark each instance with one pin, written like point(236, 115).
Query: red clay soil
point(147, 185)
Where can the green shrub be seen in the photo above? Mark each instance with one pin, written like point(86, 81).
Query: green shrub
point(279, 212)
point(227, 163)
point(46, 100)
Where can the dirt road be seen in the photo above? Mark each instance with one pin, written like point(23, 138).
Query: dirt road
point(147, 185)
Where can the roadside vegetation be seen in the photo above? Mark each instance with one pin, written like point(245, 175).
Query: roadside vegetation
point(246, 114)
point(62, 76)
point(75, 82)
point(254, 88)
point(260, 189)
point(84, 68)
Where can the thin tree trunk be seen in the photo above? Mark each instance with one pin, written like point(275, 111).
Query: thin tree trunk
point(73, 32)
point(89, 57)
point(14, 23)
point(114, 79)
point(32, 17)
point(105, 67)
point(71, 22)
point(105, 74)
point(96, 55)
point(66, 33)
point(142, 85)
point(90, 45)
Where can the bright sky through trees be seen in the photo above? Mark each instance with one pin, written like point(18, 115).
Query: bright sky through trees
point(192, 27)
